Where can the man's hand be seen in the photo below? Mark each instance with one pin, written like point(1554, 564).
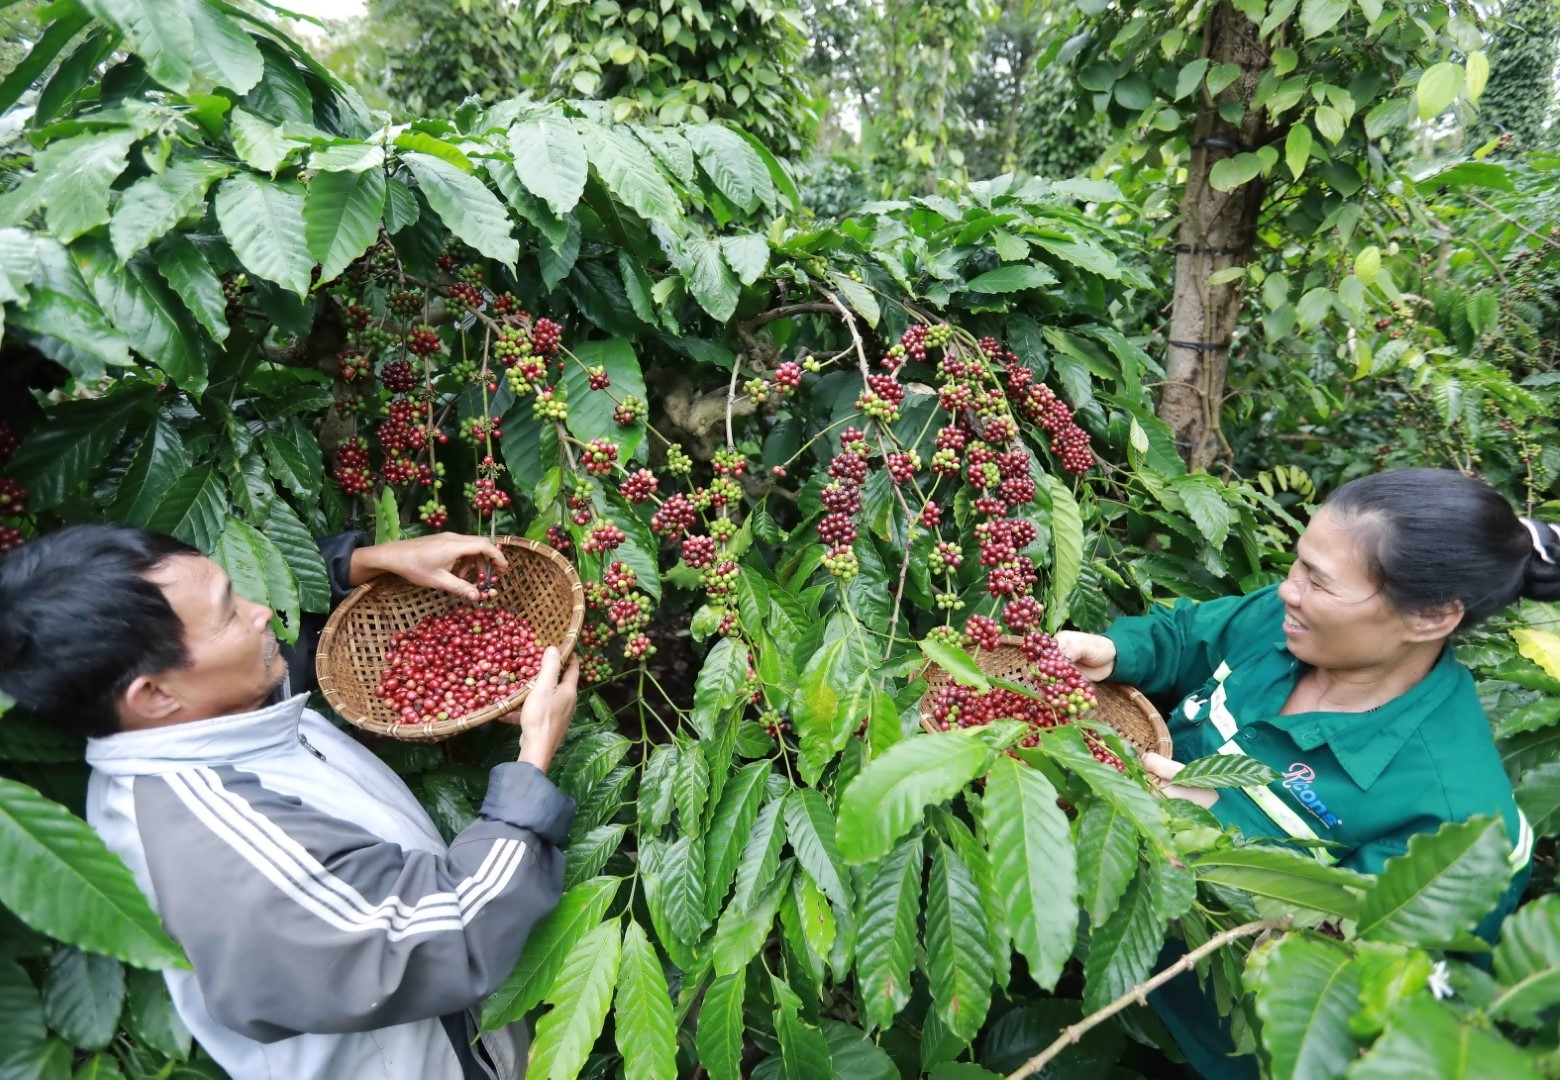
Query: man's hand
point(1094, 654)
point(426, 560)
point(1162, 768)
point(545, 716)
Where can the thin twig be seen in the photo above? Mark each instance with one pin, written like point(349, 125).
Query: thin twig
point(855, 335)
point(1138, 995)
point(1498, 212)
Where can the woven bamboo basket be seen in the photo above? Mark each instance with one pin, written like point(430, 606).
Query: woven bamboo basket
point(541, 586)
point(1118, 706)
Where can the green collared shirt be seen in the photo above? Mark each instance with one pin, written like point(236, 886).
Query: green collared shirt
point(1367, 781)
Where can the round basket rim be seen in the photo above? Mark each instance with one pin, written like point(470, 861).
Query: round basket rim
point(433, 731)
point(1134, 696)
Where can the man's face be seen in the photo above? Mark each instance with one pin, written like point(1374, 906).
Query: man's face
point(235, 662)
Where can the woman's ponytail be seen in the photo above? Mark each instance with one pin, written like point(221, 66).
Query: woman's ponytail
point(1541, 581)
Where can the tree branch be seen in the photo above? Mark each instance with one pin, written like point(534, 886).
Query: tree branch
point(1138, 995)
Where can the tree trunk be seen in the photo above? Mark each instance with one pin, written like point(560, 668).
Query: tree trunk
point(1217, 231)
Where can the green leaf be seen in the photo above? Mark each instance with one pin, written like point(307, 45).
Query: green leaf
point(1066, 746)
point(959, 960)
point(284, 529)
point(1221, 76)
point(1230, 173)
point(352, 157)
point(59, 32)
point(1033, 864)
point(58, 878)
point(691, 787)
point(710, 280)
point(804, 1052)
point(192, 509)
point(1440, 889)
point(402, 209)
point(858, 296)
point(192, 279)
point(1386, 117)
point(1425, 1040)
point(224, 52)
point(1308, 992)
point(747, 255)
point(161, 34)
point(258, 571)
point(341, 217)
point(18, 263)
point(146, 310)
point(1290, 877)
point(586, 856)
point(760, 854)
point(1123, 948)
point(155, 204)
point(744, 928)
point(1006, 279)
point(74, 332)
point(810, 828)
point(263, 220)
point(1225, 770)
point(551, 943)
point(580, 998)
point(1527, 963)
point(159, 460)
point(549, 158)
point(1438, 86)
point(1107, 857)
point(735, 167)
point(655, 788)
point(590, 411)
point(58, 456)
point(83, 994)
point(784, 185)
point(1190, 77)
point(1297, 149)
point(885, 946)
point(645, 1032)
point(260, 143)
point(888, 797)
point(23, 1038)
point(730, 827)
point(1319, 16)
point(150, 1017)
point(1328, 121)
point(71, 181)
point(630, 173)
point(719, 685)
point(1066, 549)
point(464, 203)
point(956, 662)
point(98, 1067)
point(720, 1035)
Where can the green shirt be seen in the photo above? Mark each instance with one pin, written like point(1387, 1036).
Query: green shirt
point(1367, 781)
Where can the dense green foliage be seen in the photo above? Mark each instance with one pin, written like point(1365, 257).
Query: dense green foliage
point(212, 253)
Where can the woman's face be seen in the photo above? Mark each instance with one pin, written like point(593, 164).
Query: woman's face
point(1335, 616)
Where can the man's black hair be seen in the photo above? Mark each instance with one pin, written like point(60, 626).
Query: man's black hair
point(1432, 536)
point(80, 621)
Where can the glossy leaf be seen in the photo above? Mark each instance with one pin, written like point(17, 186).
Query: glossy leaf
point(888, 797)
point(1123, 948)
point(579, 998)
point(734, 166)
point(1225, 771)
point(1066, 549)
point(1440, 889)
point(549, 157)
point(590, 411)
point(810, 829)
point(1289, 877)
point(959, 960)
point(552, 941)
point(263, 220)
point(161, 34)
point(804, 1052)
point(720, 1034)
point(885, 948)
point(192, 509)
point(1527, 963)
point(83, 994)
point(1309, 990)
point(341, 217)
point(154, 204)
point(731, 825)
point(1033, 865)
point(466, 206)
point(190, 276)
point(643, 1026)
point(1107, 856)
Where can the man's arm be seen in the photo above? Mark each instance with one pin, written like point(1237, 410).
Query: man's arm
point(297, 921)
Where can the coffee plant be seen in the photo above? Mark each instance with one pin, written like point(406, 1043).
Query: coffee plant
point(794, 462)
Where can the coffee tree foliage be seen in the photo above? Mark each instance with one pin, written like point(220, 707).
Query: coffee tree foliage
point(773, 870)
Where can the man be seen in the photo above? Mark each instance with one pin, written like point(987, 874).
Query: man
point(330, 931)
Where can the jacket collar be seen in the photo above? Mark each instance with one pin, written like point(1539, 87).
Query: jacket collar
point(1365, 743)
point(221, 739)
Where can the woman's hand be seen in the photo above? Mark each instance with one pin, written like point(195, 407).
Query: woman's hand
point(426, 560)
point(1094, 654)
point(1164, 769)
point(545, 716)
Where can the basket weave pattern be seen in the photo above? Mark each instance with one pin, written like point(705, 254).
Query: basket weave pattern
point(540, 586)
point(1117, 706)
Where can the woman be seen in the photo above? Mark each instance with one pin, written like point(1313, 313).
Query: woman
point(1340, 678)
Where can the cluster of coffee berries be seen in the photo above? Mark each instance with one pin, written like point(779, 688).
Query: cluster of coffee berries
point(599, 456)
point(459, 662)
point(639, 487)
point(618, 609)
point(674, 517)
point(13, 496)
point(597, 378)
point(423, 340)
point(630, 411)
point(352, 472)
point(549, 406)
point(399, 377)
point(353, 366)
point(603, 537)
point(486, 496)
point(1039, 404)
point(466, 294)
point(881, 400)
point(405, 304)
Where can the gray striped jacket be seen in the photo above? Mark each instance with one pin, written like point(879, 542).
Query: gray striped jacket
point(331, 932)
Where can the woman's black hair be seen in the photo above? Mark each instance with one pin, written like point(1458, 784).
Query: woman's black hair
point(1434, 536)
point(80, 621)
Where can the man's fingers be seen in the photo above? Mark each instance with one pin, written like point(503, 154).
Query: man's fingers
point(547, 678)
point(448, 582)
point(1161, 766)
point(571, 678)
